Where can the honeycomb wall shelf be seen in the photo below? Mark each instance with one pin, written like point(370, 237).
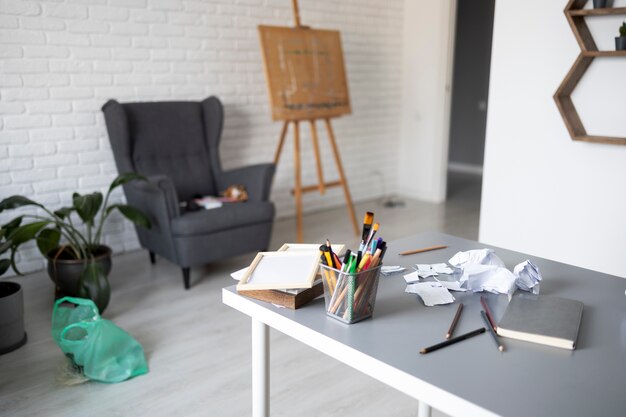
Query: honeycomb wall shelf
point(575, 15)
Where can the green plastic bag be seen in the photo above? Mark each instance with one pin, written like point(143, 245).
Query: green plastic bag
point(102, 351)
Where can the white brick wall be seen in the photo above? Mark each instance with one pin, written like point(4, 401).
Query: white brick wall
point(61, 60)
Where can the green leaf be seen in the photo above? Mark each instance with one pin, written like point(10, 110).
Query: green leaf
point(12, 262)
point(64, 212)
point(124, 178)
point(47, 240)
point(87, 206)
point(16, 201)
point(131, 213)
point(5, 246)
point(95, 285)
point(26, 232)
point(4, 265)
point(8, 228)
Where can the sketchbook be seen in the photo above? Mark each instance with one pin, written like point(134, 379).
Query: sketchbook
point(549, 321)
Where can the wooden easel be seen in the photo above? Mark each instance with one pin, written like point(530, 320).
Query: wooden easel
point(321, 186)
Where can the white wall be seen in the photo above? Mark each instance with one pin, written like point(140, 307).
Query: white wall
point(542, 192)
point(60, 61)
point(427, 74)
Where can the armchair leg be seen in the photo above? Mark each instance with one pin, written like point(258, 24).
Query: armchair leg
point(186, 273)
point(152, 258)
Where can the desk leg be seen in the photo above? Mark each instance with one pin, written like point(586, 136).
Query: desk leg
point(423, 409)
point(260, 369)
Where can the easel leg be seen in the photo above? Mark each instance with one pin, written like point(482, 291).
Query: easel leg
point(260, 369)
point(283, 133)
point(342, 176)
point(298, 185)
point(318, 159)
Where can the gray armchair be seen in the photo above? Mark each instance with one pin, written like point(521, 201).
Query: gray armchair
point(175, 145)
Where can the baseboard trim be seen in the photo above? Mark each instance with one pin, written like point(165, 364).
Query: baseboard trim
point(465, 168)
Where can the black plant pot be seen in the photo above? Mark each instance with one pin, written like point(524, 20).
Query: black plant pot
point(620, 43)
point(66, 273)
point(12, 334)
point(599, 4)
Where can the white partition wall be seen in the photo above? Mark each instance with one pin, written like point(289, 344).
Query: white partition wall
point(543, 193)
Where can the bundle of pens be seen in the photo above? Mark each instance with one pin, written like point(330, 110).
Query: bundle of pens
point(350, 286)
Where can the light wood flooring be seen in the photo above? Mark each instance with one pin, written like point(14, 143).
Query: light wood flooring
point(199, 350)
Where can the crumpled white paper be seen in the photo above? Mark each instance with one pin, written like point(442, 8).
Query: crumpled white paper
point(528, 276)
point(412, 277)
point(441, 268)
point(390, 270)
point(431, 293)
point(489, 278)
point(476, 257)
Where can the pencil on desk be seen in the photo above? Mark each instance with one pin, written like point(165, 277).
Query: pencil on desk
point(493, 334)
point(453, 340)
point(455, 320)
point(340, 281)
point(326, 277)
point(492, 322)
point(411, 252)
point(351, 266)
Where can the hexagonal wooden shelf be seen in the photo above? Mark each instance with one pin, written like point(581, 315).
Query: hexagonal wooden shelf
point(576, 15)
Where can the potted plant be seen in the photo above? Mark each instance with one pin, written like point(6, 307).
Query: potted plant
point(12, 334)
point(620, 41)
point(78, 262)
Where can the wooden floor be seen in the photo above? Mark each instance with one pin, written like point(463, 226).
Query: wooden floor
point(199, 350)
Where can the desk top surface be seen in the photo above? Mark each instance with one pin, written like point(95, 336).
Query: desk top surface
point(527, 378)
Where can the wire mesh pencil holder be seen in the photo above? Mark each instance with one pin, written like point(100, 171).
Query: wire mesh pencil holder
point(350, 297)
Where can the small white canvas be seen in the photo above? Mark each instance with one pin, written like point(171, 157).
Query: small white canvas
point(280, 270)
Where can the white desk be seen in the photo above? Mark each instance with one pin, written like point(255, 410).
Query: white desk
point(470, 378)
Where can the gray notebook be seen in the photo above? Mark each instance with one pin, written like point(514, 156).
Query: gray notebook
point(547, 320)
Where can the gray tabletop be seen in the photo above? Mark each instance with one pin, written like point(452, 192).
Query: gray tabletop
point(527, 379)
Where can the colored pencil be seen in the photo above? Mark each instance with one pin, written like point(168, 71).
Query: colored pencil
point(411, 252)
point(493, 334)
point(492, 322)
point(452, 341)
point(455, 320)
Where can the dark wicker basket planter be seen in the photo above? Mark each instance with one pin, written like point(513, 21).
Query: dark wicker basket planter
point(66, 272)
point(12, 334)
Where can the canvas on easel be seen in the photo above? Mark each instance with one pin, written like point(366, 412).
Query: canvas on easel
point(306, 80)
point(305, 73)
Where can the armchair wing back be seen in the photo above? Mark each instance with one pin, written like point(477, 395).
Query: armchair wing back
point(176, 146)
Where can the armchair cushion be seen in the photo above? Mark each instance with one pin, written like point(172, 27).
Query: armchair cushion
point(168, 138)
point(229, 216)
